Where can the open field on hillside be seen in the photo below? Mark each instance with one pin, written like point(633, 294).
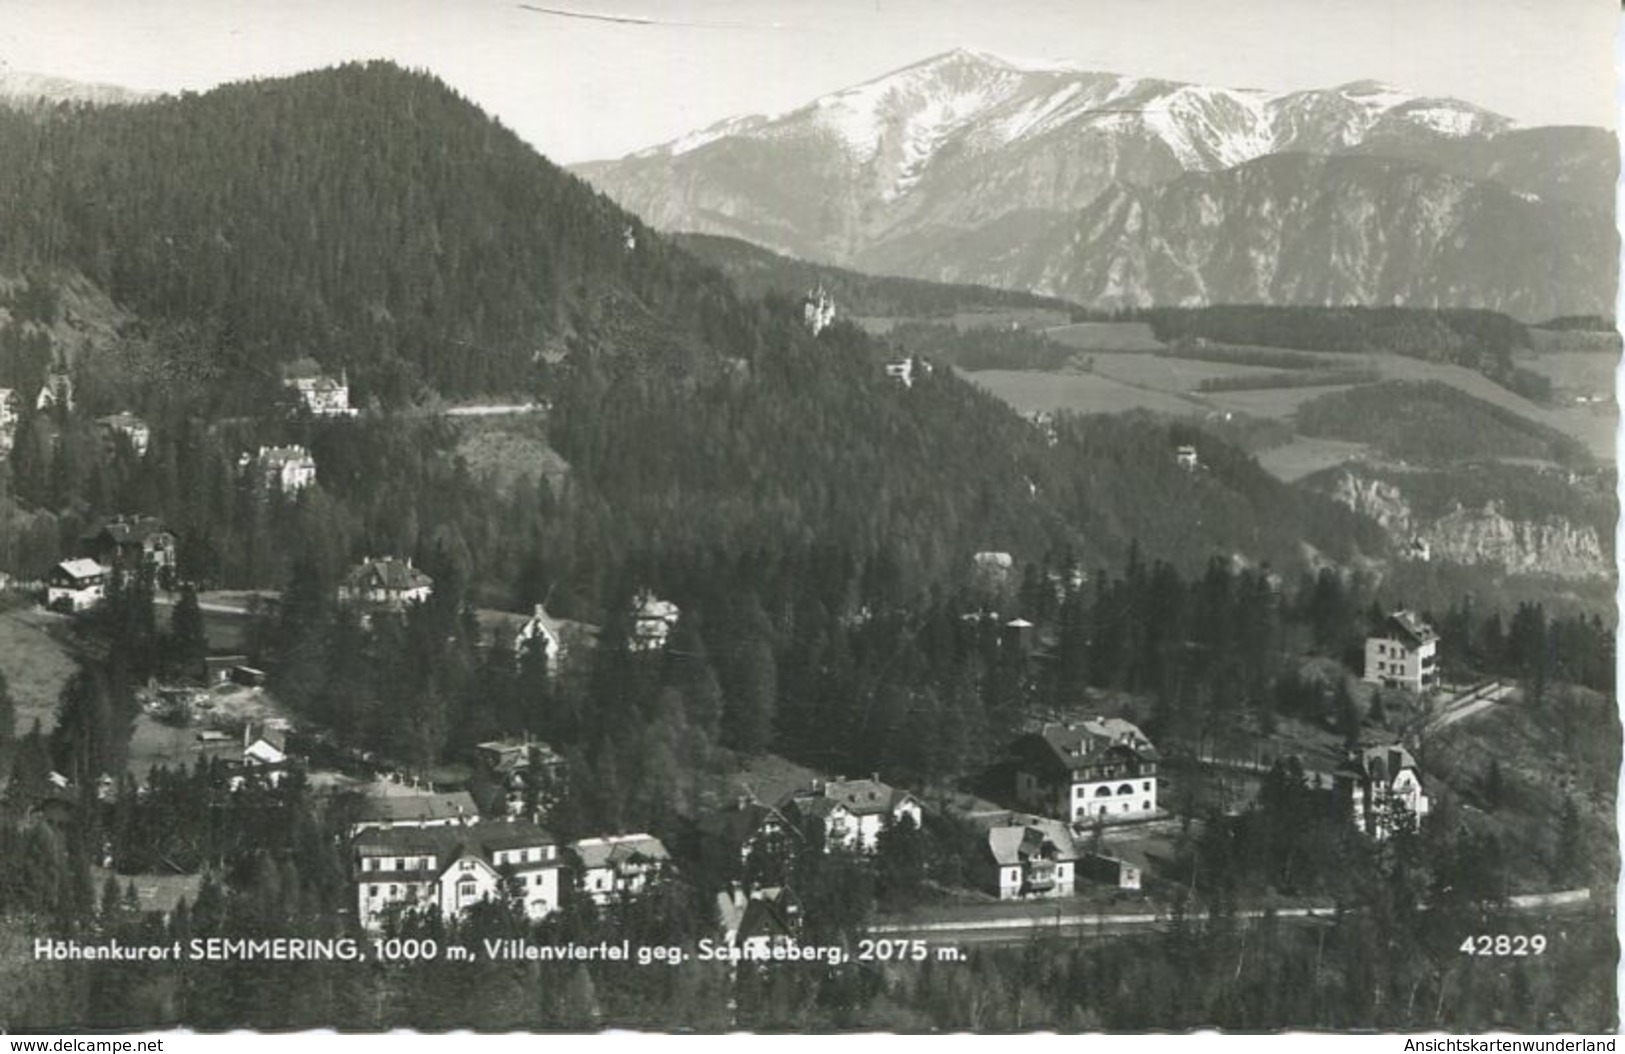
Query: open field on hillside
point(1035, 318)
point(1169, 374)
point(1306, 455)
point(35, 663)
point(1574, 373)
point(1105, 336)
point(1166, 384)
point(1029, 391)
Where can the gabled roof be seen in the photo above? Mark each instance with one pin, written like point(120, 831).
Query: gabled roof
point(125, 530)
point(649, 608)
point(1409, 627)
point(1034, 838)
point(1380, 763)
point(275, 737)
point(615, 850)
point(442, 848)
point(449, 805)
point(770, 914)
point(124, 420)
point(865, 797)
point(1074, 746)
point(446, 844)
point(386, 573)
point(82, 568)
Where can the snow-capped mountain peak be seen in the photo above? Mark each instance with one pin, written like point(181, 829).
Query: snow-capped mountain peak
point(883, 172)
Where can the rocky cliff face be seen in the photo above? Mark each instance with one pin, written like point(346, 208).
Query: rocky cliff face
point(1551, 545)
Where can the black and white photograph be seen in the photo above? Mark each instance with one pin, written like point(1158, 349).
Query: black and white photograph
point(808, 516)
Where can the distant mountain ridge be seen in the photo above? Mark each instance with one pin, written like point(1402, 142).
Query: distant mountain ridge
point(20, 89)
point(918, 163)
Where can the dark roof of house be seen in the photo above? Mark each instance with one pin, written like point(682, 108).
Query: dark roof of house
point(386, 573)
point(864, 797)
point(770, 913)
point(1037, 837)
point(1409, 627)
point(1380, 763)
point(614, 850)
point(125, 530)
point(275, 737)
point(122, 420)
point(450, 842)
point(450, 805)
point(1075, 746)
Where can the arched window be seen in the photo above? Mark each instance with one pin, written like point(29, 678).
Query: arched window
point(1127, 788)
point(1103, 792)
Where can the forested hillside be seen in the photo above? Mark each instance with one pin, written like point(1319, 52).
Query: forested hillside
point(758, 272)
point(365, 216)
point(1432, 423)
point(370, 219)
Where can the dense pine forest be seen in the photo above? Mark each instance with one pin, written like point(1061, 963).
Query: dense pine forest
point(814, 520)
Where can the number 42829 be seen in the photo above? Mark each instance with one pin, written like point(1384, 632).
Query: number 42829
point(1504, 944)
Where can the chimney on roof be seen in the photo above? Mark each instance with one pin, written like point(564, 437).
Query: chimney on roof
point(539, 611)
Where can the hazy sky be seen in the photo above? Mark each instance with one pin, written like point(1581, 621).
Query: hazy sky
point(580, 89)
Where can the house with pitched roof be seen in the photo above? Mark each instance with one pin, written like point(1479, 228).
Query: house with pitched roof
point(1103, 768)
point(56, 392)
point(1384, 786)
point(852, 813)
point(389, 810)
point(1029, 856)
point(283, 470)
point(76, 585)
point(619, 865)
point(127, 425)
point(542, 631)
point(513, 775)
point(132, 543)
point(757, 923)
point(1403, 653)
point(385, 583)
point(747, 841)
point(454, 867)
point(652, 621)
point(321, 395)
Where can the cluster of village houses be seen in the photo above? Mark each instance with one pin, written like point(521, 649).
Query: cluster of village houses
point(412, 849)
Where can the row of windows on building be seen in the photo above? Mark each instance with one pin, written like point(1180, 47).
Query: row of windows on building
point(1081, 791)
point(426, 863)
point(465, 887)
